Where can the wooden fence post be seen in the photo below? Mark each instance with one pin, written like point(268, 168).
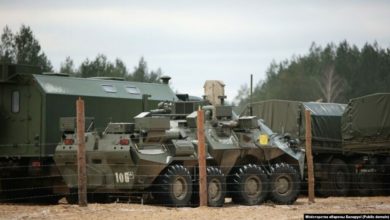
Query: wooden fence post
point(81, 162)
point(309, 157)
point(202, 160)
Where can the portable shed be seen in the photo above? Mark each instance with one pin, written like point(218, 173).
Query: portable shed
point(31, 106)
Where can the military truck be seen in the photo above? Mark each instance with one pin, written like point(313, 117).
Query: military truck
point(350, 142)
point(157, 155)
point(365, 132)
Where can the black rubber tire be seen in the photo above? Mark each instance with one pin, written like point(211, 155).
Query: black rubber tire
point(362, 184)
point(73, 196)
point(285, 184)
point(99, 197)
point(249, 185)
point(216, 187)
point(322, 188)
point(339, 178)
point(174, 186)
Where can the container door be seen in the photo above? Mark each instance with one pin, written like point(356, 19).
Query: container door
point(34, 120)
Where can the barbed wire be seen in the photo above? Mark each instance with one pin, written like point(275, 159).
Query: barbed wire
point(377, 185)
point(373, 179)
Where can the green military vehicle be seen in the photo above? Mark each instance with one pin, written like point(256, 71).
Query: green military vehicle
point(147, 157)
point(350, 142)
point(259, 164)
point(365, 132)
point(157, 155)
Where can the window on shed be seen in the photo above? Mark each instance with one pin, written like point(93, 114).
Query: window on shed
point(15, 99)
point(132, 90)
point(109, 88)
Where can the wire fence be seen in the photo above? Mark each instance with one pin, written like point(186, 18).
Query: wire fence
point(157, 184)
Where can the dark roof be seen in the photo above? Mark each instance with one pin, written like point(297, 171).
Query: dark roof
point(103, 88)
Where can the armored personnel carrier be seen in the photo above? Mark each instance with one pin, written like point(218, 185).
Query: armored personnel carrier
point(157, 155)
point(148, 157)
point(258, 163)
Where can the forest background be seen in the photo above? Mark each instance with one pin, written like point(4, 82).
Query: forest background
point(335, 72)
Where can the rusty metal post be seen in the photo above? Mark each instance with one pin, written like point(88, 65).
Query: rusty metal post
point(309, 157)
point(81, 161)
point(202, 160)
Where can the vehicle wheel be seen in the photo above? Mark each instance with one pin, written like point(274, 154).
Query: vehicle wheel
point(216, 187)
point(99, 198)
point(362, 183)
point(46, 200)
point(174, 186)
point(73, 196)
point(249, 185)
point(285, 184)
point(322, 188)
point(339, 178)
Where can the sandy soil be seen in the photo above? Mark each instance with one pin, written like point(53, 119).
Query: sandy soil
point(229, 211)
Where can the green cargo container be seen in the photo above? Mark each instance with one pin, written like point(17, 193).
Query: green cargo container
point(366, 124)
point(31, 106)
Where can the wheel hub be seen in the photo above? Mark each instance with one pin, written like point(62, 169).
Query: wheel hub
point(340, 179)
point(283, 185)
point(214, 190)
point(180, 188)
point(253, 186)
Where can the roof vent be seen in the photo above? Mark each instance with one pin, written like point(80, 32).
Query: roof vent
point(108, 78)
point(165, 79)
point(55, 74)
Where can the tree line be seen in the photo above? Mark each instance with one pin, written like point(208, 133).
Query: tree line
point(23, 48)
point(334, 73)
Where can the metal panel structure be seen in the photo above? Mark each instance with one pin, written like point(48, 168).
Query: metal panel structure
point(32, 105)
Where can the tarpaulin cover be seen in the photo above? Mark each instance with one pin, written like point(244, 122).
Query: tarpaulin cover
point(366, 123)
point(288, 117)
point(281, 116)
point(326, 120)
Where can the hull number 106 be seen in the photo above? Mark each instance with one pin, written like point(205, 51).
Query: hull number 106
point(124, 177)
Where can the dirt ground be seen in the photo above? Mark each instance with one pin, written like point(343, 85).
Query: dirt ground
point(229, 211)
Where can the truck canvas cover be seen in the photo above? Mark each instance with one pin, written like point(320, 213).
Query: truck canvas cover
point(366, 124)
point(289, 117)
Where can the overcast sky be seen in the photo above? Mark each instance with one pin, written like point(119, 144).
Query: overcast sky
point(194, 41)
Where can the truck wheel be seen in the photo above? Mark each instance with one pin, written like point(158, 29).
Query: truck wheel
point(174, 186)
point(216, 187)
point(322, 188)
point(339, 178)
point(285, 183)
point(362, 182)
point(249, 185)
